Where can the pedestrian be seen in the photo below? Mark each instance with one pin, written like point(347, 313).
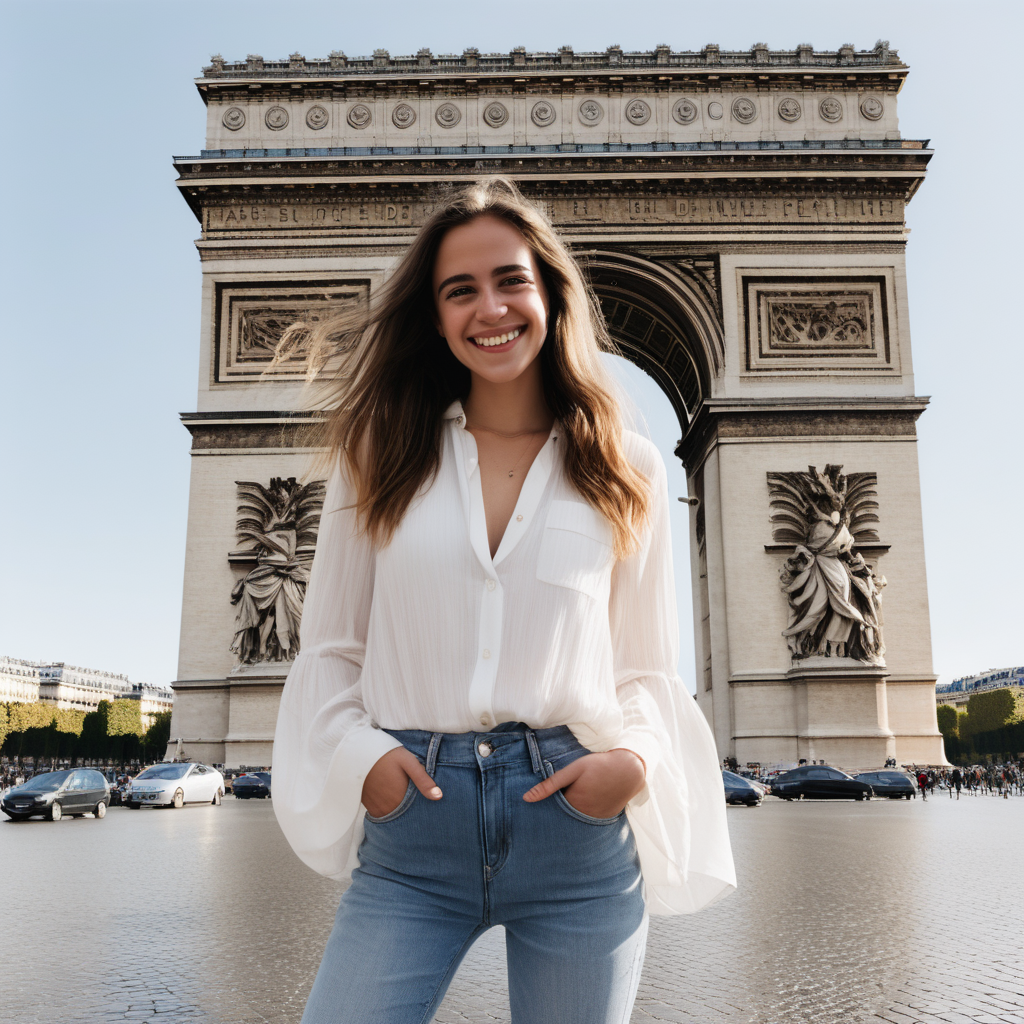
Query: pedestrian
point(922, 783)
point(485, 720)
point(958, 780)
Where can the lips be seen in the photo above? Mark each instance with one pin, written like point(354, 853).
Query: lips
point(498, 339)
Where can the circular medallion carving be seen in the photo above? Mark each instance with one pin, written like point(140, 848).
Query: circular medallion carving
point(317, 118)
point(744, 110)
point(276, 118)
point(233, 119)
point(830, 109)
point(789, 109)
point(543, 114)
point(591, 111)
point(359, 116)
point(871, 107)
point(403, 116)
point(495, 114)
point(638, 112)
point(685, 111)
point(447, 115)
point(715, 110)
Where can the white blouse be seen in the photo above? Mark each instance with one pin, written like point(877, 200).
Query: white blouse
point(431, 633)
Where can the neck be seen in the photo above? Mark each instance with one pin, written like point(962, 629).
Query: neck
point(511, 406)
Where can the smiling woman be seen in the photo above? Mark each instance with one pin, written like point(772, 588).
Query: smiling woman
point(489, 645)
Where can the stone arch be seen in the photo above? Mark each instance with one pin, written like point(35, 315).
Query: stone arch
point(661, 322)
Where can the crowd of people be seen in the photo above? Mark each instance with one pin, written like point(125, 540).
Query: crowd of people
point(1003, 780)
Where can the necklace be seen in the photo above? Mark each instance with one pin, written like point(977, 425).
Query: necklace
point(522, 433)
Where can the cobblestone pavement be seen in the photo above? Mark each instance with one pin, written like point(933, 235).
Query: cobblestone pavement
point(885, 912)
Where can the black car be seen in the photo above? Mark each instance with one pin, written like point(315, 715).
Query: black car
point(53, 795)
point(739, 790)
point(252, 784)
point(819, 782)
point(895, 785)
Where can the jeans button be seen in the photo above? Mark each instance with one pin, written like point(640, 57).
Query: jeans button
point(485, 748)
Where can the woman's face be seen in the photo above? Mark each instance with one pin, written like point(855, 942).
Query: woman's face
point(492, 306)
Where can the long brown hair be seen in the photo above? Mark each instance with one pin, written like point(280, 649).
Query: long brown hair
point(396, 376)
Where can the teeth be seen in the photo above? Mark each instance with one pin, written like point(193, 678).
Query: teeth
point(499, 339)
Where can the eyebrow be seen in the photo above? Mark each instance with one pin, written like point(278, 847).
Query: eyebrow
point(455, 278)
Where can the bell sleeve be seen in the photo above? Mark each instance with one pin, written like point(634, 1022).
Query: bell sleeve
point(679, 818)
point(325, 743)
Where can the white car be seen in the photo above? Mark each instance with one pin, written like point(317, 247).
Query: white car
point(174, 784)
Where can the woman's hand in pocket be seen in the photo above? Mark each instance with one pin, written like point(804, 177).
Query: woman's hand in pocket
point(386, 782)
point(598, 785)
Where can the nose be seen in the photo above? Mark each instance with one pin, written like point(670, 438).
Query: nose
point(491, 306)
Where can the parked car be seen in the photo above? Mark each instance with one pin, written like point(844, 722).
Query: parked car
point(251, 784)
point(739, 790)
point(55, 795)
point(819, 782)
point(895, 785)
point(174, 784)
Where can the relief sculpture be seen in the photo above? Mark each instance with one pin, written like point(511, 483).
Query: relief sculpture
point(834, 595)
point(842, 323)
point(281, 523)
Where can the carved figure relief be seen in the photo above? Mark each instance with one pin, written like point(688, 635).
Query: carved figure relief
point(715, 110)
point(830, 109)
point(317, 118)
point(359, 116)
point(744, 110)
point(871, 107)
point(233, 119)
point(591, 112)
point(789, 109)
point(840, 324)
point(403, 116)
point(276, 118)
point(834, 595)
point(543, 114)
point(638, 112)
point(448, 115)
point(281, 524)
point(685, 111)
point(495, 114)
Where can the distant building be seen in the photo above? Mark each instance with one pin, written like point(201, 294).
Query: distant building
point(82, 689)
point(959, 692)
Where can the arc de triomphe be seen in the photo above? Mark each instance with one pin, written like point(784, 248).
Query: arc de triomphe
point(742, 218)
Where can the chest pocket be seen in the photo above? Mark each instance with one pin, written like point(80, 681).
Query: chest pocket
point(576, 549)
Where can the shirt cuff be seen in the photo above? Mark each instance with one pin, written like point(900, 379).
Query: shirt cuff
point(361, 749)
point(648, 750)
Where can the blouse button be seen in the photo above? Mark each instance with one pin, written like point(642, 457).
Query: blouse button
point(487, 653)
point(519, 519)
point(491, 584)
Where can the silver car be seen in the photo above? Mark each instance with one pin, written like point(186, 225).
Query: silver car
point(174, 784)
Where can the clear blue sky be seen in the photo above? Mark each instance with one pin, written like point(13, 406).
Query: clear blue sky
point(101, 285)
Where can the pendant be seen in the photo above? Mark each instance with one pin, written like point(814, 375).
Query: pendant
point(511, 472)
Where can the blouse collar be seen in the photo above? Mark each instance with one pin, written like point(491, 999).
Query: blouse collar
point(457, 413)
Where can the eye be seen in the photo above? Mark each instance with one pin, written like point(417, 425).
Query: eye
point(456, 293)
point(514, 281)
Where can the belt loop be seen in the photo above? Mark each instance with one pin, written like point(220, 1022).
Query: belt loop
point(535, 759)
point(432, 748)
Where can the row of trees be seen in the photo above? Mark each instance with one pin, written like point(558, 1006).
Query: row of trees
point(992, 726)
point(113, 732)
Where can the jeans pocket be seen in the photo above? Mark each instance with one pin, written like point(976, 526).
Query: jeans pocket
point(562, 802)
point(407, 800)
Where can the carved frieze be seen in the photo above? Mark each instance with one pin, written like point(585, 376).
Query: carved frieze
point(233, 119)
point(448, 115)
point(251, 318)
point(280, 524)
point(317, 118)
point(810, 324)
point(834, 594)
point(276, 118)
point(359, 115)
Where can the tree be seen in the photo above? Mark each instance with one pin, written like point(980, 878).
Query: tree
point(158, 735)
point(946, 714)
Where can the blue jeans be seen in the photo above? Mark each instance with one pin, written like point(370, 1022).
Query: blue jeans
point(433, 876)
